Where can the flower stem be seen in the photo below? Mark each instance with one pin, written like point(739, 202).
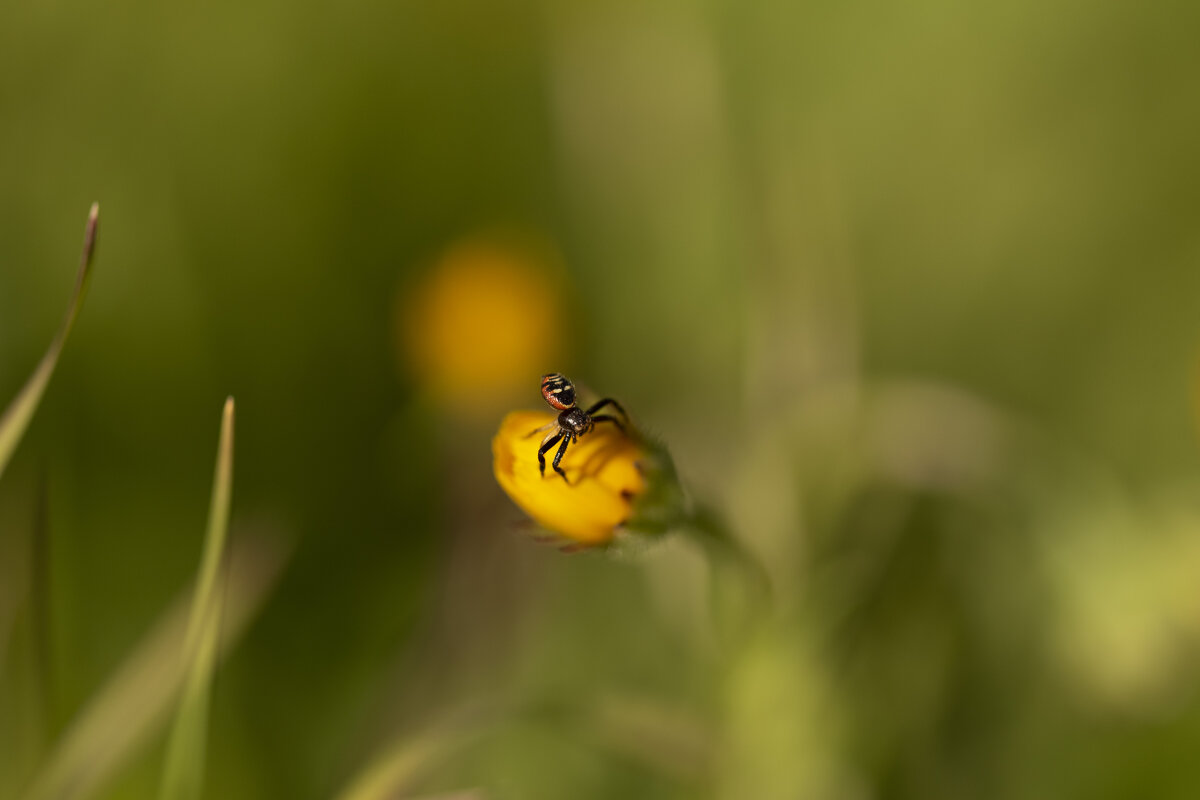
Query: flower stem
point(740, 588)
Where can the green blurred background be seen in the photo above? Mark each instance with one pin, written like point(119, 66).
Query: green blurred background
point(910, 291)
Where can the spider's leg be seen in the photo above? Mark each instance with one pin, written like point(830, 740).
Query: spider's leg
point(608, 401)
point(607, 418)
point(546, 427)
point(546, 445)
point(562, 448)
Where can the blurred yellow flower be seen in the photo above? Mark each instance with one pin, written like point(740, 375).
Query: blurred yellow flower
point(486, 317)
point(607, 469)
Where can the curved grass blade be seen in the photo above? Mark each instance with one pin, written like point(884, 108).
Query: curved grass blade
point(184, 774)
point(405, 759)
point(400, 765)
point(20, 411)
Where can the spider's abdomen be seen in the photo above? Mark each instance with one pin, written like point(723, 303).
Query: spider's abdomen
point(558, 391)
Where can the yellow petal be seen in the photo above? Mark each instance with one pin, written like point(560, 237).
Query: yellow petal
point(602, 466)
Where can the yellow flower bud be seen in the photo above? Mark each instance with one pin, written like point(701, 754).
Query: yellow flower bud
point(612, 476)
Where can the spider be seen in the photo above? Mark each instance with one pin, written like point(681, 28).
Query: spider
point(572, 423)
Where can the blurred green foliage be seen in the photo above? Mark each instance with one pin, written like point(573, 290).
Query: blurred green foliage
point(911, 291)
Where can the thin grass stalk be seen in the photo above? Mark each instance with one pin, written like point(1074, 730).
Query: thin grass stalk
point(20, 411)
point(183, 777)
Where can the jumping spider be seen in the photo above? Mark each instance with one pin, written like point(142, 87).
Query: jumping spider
point(572, 423)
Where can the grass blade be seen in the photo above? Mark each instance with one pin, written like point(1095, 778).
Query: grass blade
point(136, 701)
point(20, 411)
point(399, 766)
point(184, 773)
point(39, 616)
